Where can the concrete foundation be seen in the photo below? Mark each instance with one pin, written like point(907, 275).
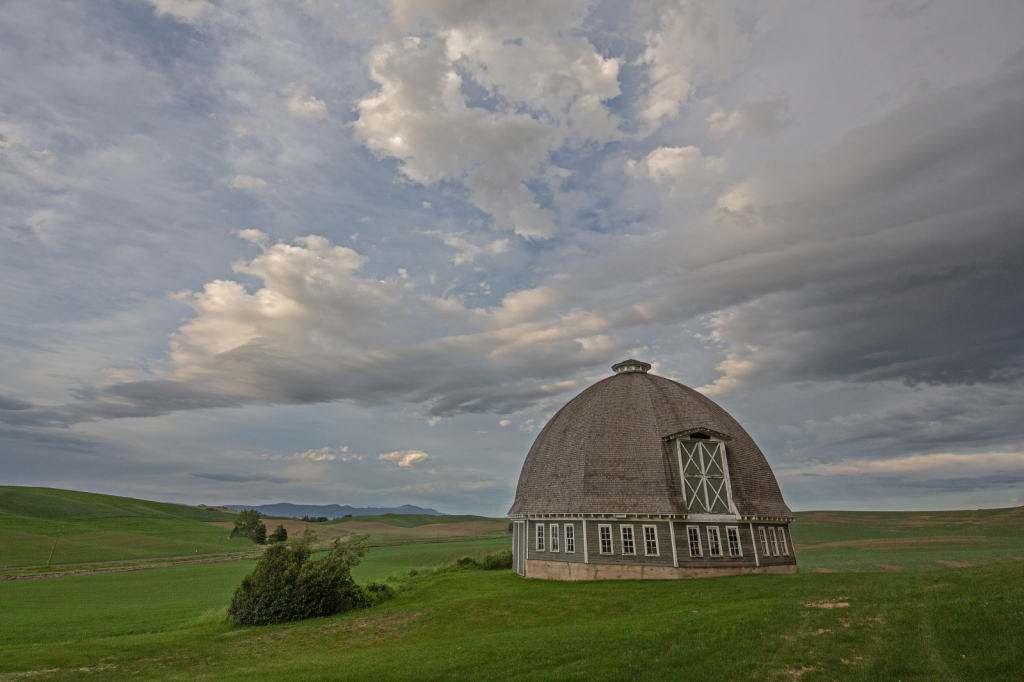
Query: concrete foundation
point(564, 570)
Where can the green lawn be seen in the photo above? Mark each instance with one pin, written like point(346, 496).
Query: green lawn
point(102, 528)
point(383, 561)
point(878, 614)
point(873, 541)
point(166, 624)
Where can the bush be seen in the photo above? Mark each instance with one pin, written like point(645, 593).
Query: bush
point(499, 561)
point(280, 533)
point(248, 525)
point(467, 562)
point(288, 585)
point(491, 562)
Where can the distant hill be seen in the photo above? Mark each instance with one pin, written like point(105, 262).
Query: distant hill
point(331, 511)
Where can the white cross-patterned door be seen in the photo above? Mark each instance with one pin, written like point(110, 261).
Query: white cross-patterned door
point(705, 477)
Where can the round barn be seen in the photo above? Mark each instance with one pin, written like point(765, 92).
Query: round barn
point(641, 477)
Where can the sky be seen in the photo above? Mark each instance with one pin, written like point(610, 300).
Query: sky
point(339, 251)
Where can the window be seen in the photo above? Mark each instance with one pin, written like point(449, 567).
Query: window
point(606, 539)
point(570, 538)
point(540, 537)
point(651, 540)
point(764, 541)
point(693, 535)
point(732, 533)
point(775, 542)
point(554, 537)
point(782, 541)
point(714, 541)
point(705, 483)
point(628, 546)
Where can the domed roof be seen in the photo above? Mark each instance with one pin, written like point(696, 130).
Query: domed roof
point(607, 451)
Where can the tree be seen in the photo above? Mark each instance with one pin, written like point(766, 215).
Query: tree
point(288, 585)
point(280, 533)
point(249, 525)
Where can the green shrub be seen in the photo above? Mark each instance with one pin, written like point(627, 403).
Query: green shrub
point(280, 534)
point(498, 561)
point(288, 585)
point(248, 525)
point(467, 562)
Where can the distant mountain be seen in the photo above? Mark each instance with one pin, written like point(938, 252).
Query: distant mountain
point(331, 511)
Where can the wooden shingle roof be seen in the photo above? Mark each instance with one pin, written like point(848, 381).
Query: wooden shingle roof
point(606, 452)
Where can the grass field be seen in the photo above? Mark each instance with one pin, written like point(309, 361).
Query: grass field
point(167, 624)
point(897, 541)
point(879, 597)
point(103, 528)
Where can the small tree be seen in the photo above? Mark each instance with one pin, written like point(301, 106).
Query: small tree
point(287, 585)
point(249, 525)
point(280, 533)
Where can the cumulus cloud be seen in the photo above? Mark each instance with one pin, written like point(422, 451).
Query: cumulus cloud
point(540, 86)
point(301, 103)
point(186, 11)
point(686, 41)
point(406, 458)
point(753, 119)
point(251, 184)
point(681, 165)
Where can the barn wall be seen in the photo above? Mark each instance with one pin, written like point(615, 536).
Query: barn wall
point(563, 570)
point(561, 554)
point(752, 556)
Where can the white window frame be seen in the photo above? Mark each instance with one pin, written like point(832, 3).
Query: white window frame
point(627, 542)
point(657, 546)
point(735, 530)
point(553, 537)
point(765, 549)
point(570, 538)
point(540, 537)
point(600, 538)
point(775, 541)
point(691, 533)
point(714, 537)
point(782, 541)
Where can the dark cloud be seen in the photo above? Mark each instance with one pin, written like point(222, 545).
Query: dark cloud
point(243, 478)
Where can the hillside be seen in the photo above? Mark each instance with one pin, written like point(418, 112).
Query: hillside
point(96, 527)
point(331, 511)
point(828, 541)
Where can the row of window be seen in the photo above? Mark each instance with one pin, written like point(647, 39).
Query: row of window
point(773, 543)
point(570, 538)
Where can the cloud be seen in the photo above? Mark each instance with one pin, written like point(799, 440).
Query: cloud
point(243, 478)
point(251, 184)
point(686, 42)
point(319, 455)
point(465, 250)
point(931, 464)
point(301, 103)
point(186, 11)
point(895, 256)
point(406, 458)
point(483, 97)
point(682, 165)
point(753, 119)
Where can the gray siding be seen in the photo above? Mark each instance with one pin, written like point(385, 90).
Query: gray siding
point(528, 541)
point(617, 557)
point(561, 554)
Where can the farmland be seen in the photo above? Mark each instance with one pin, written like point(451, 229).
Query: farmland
point(879, 596)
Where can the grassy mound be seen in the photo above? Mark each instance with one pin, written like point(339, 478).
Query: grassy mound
point(102, 528)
